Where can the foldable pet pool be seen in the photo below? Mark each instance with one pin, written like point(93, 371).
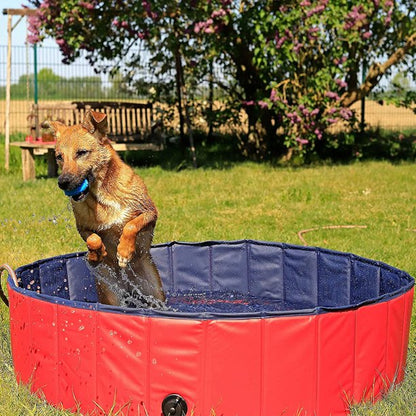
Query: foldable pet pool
point(252, 328)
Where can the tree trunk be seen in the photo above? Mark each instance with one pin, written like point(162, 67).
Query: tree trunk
point(181, 90)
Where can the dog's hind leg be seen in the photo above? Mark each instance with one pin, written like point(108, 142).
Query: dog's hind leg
point(106, 295)
point(146, 277)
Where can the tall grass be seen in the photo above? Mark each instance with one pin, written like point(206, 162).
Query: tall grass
point(243, 200)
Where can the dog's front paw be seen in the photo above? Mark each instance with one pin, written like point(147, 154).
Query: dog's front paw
point(122, 261)
point(96, 249)
point(123, 256)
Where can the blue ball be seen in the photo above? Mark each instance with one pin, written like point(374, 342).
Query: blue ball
point(78, 189)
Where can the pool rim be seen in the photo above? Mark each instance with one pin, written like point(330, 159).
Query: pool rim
point(152, 312)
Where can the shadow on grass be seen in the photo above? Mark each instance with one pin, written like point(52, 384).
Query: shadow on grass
point(219, 152)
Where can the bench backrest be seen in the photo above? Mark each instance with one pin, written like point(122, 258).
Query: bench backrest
point(63, 112)
point(128, 122)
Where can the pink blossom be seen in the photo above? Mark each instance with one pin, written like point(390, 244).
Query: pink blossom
point(263, 104)
point(340, 61)
point(206, 27)
point(316, 10)
point(345, 113)
point(315, 112)
point(294, 118)
point(332, 95)
point(143, 35)
point(355, 16)
point(32, 38)
point(297, 47)
point(147, 7)
point(273, 95)
point(198, 26)
point(341, 83)
point(305, 3)
point(312, 33)
point(218, 13)
point(318, 134)
point(33, 29)
point(86, 5)
point(279, 40)
point(367, 35)
point(302, 141)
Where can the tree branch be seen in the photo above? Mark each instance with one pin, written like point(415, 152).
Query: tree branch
point(375, 72)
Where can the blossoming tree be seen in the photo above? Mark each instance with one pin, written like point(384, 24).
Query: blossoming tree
point(295, 67)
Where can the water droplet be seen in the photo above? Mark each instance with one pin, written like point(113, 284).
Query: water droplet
point(81, 328)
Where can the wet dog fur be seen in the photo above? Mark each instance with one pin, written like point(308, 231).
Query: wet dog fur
point(115, 215)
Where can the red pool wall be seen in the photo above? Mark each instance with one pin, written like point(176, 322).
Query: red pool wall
point(282, 365)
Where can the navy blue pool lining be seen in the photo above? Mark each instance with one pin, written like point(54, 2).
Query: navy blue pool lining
point(406, 280)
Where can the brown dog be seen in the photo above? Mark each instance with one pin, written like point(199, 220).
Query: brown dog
point(114, 213)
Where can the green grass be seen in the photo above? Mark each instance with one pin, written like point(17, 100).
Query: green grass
point(241, 200)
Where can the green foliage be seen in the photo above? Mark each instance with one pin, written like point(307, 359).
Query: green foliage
point(293, 67)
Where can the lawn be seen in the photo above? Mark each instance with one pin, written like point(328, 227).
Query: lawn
point(240, 200)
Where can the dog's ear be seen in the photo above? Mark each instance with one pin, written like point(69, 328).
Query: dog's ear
point(96, 124)
point(53, 126)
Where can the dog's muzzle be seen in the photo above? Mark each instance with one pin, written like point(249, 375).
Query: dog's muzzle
point(77, 193)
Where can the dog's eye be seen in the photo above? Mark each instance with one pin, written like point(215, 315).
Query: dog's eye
point(59, 157)
point(82, 152)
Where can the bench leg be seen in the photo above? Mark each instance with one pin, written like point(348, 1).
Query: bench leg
point(52, 166)
point(28, 164)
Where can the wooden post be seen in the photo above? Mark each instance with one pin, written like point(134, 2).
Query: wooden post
point(10, 13)
point(8, 82)
point(28, 164)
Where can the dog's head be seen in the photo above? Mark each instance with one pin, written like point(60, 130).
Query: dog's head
point(80, 152)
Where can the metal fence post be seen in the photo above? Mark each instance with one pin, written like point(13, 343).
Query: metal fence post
point(8, 82)
point(35, 89)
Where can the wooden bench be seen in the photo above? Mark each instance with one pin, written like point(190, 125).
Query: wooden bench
point(127, 122)
point(132, 127)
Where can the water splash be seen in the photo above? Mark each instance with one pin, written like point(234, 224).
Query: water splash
point(130, 297)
